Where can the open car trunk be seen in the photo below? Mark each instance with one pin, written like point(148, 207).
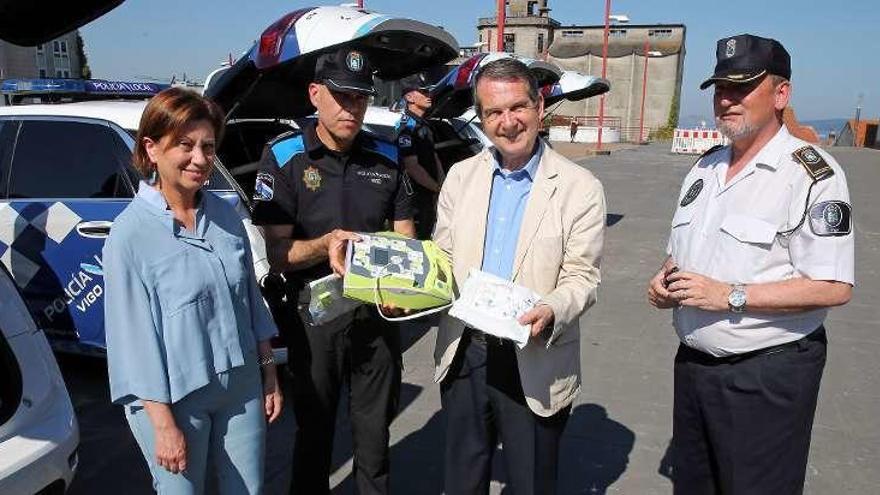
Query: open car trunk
point(32, 23)
point(271, 79)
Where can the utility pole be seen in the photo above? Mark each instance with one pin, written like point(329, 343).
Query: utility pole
point(502, 15)
point(646, 49)
point(604, 69)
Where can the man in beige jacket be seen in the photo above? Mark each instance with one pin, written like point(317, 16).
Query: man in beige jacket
point(523, 212)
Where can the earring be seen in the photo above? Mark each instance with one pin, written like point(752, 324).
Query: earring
point(154, 176)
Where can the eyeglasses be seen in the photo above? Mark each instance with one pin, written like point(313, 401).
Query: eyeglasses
point(492, 115)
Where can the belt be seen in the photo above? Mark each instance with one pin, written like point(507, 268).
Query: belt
point(817, 335)
point(483, 338)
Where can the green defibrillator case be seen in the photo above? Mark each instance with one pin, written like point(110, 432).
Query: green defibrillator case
point(387, 268)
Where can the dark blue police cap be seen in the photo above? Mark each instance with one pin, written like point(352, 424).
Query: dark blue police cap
point(414, 82)
point(745, 58)
point(345, 70)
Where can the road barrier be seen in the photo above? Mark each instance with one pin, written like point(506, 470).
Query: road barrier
point(695, 141)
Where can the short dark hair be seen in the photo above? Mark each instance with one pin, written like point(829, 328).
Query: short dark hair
point(168, 113)
point(506, 69)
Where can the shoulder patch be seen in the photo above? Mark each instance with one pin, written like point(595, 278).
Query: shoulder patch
point(708, 152)
point(831, 219)
point(813, 163)
point(404, 141)
point(286, 147)
point(692, 193)
point(264, 189)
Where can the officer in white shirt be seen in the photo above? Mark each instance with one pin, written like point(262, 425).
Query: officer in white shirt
point(761, 246)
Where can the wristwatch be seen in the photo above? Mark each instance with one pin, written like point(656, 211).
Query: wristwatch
point(736, 300)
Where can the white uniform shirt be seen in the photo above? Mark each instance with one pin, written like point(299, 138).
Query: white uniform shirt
point(731, 233)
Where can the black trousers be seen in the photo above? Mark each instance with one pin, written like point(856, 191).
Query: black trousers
point(742, 425)
point(362, 351)
point(425, 204)
point(483, 402)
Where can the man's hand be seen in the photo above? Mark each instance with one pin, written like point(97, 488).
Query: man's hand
point(658, 293)
point(337, 241)
point(272, 399)
point(692, 289)
point(539, 317)
point(392, 311)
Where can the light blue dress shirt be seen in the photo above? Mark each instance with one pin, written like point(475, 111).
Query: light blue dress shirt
point(507, 204)
point(180, 306)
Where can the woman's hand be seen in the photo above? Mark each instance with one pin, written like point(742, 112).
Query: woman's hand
point(169, 440)
point(272, 399)
point(171, 449)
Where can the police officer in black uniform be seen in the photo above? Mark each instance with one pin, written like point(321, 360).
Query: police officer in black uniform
point(314, 190)
point(415, 142)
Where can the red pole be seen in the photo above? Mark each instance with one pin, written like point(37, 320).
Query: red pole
point(502, 15)
point(644, 92)
point(604, 69)
point(360, 4)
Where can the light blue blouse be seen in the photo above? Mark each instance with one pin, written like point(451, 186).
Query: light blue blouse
point(180, 306)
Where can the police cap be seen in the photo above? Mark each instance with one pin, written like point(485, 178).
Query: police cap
point(745, 58)
point(345, 70)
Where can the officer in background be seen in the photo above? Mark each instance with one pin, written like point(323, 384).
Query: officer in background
point(415, 142)
point(761, 246)
point(314, 190)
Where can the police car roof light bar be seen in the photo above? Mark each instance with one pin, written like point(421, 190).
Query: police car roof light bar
point(77, 89)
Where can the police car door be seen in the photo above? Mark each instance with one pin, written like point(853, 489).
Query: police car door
point(62, 182)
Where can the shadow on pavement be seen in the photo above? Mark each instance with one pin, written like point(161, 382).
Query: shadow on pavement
point(665, 467)
point(612, 218)
point(594, 454)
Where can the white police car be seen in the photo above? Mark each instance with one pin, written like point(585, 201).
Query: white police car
point(39, 435)
point(65, 173)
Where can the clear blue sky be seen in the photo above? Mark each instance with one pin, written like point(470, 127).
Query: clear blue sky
point(834, 44)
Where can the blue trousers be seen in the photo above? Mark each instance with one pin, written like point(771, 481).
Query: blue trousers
point(223, 421)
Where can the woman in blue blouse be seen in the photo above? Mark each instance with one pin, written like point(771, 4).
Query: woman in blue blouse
point(187, 331)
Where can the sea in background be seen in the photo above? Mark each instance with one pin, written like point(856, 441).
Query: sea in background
point(823, 127)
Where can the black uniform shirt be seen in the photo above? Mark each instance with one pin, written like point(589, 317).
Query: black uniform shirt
point(316, 190)
point(415, 138)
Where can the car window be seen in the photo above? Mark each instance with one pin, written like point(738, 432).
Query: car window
point(10, 373)
point(10, 385)
point(68, 159)
point(7, 139)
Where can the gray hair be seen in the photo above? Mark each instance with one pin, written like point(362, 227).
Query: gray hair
point(776, 80)
point(506, 69)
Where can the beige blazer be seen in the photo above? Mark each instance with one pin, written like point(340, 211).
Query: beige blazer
point(557, 256)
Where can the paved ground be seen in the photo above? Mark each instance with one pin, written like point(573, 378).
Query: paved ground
point(617, 438)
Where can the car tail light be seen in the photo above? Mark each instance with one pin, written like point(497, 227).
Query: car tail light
point(272, 38)
point(466, 69)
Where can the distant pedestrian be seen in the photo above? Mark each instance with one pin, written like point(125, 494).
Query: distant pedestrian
point(573, 128)
point(187, 331)
point(761, 246)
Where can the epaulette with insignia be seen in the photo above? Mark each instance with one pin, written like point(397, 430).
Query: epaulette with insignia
point(813, 163)
point(708, 152)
